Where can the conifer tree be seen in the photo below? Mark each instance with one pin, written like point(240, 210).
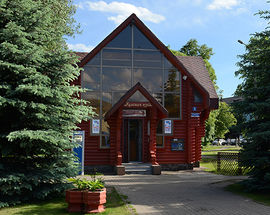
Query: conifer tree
point(254, 69)
point(39, 107)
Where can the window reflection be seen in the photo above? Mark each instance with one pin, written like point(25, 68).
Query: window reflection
point(147, 59)
point(116, 79)
point(106, 103)
point(159, 141)
point(158, 97)
point(172, 81)
point(172, 104)
point(197, 96)
point(94, 99)
point(91, 78)
point(116, 96)
point(114, 57)
point(151, 79)
point(137, 97)
point(105, 142)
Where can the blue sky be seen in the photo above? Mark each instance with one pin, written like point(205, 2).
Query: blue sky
point(216, 23)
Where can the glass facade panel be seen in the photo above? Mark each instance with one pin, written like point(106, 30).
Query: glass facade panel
point(151, 79)
point(94, 99)
point(147, 59)
point(158, 97)
point(106, 103)
point(123, 39)
point(116, 96)
point(137, 97)
point(141, 41)
point(197, 96)
point(115, 57)
point(167, 63)
point(172, 104)
point(159, 127)
point(95, 61)
point(105, 128)
point(159, 141)
point(116, 79)
point(172, 80)
point(91, 78)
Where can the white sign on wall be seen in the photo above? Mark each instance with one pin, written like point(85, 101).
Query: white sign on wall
point(168, 126)
point(95, 126)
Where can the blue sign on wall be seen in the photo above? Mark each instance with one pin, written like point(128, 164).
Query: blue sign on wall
point(177, 144)
point(78, 137)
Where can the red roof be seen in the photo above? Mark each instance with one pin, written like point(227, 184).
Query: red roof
point(137, 87)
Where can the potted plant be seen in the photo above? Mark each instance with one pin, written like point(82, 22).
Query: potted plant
point(74, 197)
point(89, 196)
point(94, 197)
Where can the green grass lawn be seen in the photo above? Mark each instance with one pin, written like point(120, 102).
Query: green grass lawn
point(116, 205)
point(263, 198)
point(220, 148)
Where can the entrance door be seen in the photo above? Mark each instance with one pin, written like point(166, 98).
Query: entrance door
point(132, 140)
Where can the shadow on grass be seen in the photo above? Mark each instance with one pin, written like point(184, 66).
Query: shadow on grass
point(116, 204)
point(259, 197)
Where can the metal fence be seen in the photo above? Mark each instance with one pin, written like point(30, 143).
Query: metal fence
point(227, 163)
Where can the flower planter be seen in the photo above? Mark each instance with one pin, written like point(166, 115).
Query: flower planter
point(94, 201)
point(74, 198)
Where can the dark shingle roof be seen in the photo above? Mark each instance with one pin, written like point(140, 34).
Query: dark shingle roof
point(196, 67)
point(81, 55)
point(230, 100)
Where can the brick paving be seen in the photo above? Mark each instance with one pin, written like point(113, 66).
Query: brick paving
point(184, 193)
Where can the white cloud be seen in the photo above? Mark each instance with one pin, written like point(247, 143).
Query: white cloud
point(80, 47)
point(79, 5)
point(223, 4)
point(123, 10)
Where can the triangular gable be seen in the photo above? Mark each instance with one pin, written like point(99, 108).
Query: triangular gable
point(145, 93)
point(147, 32)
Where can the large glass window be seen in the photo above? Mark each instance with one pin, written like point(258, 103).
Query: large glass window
point(114, 57)
point(119, 66)
point(123, 39)
point(116, 79)
point(91, 78)
point(151, 79)
point(159, 134)
point(171, 80)
point(94, 99)
point(141, 41)
point(172, 104)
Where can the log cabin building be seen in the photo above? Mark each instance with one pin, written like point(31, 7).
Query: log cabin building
point(151, 106)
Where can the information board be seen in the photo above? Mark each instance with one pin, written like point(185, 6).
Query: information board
point(78, 137)
point(177, 144)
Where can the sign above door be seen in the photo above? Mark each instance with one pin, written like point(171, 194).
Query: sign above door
point(134, 113)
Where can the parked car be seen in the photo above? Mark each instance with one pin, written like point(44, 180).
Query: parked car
point(219, 142)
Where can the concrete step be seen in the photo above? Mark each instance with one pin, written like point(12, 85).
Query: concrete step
point(137, 168)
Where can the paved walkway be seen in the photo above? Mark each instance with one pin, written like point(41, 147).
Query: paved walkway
point(184, 193)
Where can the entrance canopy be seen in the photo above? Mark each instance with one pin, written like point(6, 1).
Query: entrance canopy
point(161, 111)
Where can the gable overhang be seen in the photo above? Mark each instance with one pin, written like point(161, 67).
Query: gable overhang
point(162, 112)
point(133, 19)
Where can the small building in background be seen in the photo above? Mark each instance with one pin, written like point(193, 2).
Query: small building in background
point(150, 105)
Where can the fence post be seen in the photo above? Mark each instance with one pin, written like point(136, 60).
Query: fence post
point(218, 161)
